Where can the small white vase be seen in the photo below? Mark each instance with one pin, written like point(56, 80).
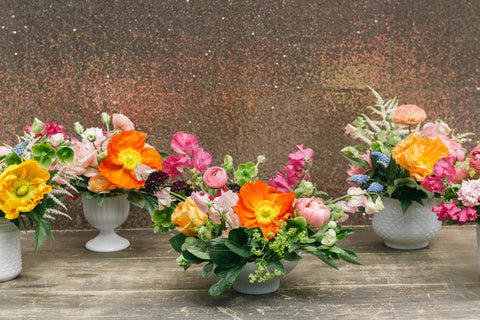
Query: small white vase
point(113, 212)
point(242, 283)
point(10, 252)
point(409, 231)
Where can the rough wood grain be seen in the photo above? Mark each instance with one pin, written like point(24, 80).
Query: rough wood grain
point(63, 280)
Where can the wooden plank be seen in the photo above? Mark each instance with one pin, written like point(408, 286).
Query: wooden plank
point(65, 280)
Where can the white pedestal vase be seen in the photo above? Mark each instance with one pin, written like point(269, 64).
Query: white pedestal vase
point(113, 212)
point(242, 283)
point(10, 252)
point(412, 230)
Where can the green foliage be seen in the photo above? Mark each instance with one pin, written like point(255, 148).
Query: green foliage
point(162, 219)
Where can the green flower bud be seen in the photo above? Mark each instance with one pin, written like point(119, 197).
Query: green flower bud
point(261, 159)
point(332, 225)
point(308, 188)
point(336, 210)
point(105, 117)
point(204, 234)
point(101, 156)
point(228, 163)
point(182, 262)
point(37, 126)
point(301, 222)
point(79, 129)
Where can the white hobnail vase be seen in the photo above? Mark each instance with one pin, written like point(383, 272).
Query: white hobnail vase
point(242, 283)
point(406, 231)
point(10, 252)
point(113, 212)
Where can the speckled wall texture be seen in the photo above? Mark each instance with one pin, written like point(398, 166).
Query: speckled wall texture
point(247, 77)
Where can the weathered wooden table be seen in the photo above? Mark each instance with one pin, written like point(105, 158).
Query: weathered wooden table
point(63, 280)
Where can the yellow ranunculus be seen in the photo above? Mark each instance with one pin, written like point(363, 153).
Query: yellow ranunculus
point(187, 216)
point(22, 187)
point(419, 155)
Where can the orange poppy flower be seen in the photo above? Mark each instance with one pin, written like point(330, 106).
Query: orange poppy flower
point(125, 150)
point(419, 156)
point(260, 205)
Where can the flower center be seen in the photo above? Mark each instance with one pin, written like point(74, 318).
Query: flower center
point(129, 158)
point(21, 190)
point(266, 211)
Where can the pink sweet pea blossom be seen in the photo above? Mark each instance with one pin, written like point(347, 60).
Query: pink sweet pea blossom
point(445, 169)
point(357, 199)
point(122, 122)
point(354, 170)
point(174, 165)
point(215, 177)
point(469, 193)
point(298, 158)
point(280, 183)
point(313, 210)
point(433, 184)
point(201, 200)
point(184, 143)
point(201, 159)
point(446, 211)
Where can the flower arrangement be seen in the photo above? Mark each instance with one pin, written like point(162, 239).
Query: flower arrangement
point(115, 161)
point(35, 176)
point(227, 217)
point(458, 184)
point(397, 154)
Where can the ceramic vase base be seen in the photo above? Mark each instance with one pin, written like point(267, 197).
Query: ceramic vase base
point(107, 242)
point(256, 288)
point(406, 246)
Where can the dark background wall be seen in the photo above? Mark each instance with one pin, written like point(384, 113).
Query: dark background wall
point(247, 77)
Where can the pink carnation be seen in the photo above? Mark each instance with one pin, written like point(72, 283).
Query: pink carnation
point(469, 193)
point(467, 214)
point(184, 143)
point(446, 211)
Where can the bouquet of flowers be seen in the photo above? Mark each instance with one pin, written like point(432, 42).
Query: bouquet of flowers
point(458, 184)
point(397, 154)
point(227, 217)
point(115, 161)
point(35, 176)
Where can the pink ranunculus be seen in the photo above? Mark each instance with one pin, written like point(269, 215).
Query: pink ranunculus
point(201, 159)
point(280, 183)
point(122, 122)
point(445, 169)
point(408, 114)
point(461, 173)
point(475, 158)
point(313, 210)
point(467, 214)
point(4, 151)
point(174, 165)
point(184, 143)
point(433, 184)
point(215, 177)
point(469, 193)
point(446, 211)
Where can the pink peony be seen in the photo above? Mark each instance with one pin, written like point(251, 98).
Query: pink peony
point(215, 177)
point(355, 201)
point(445, 169)
point(469, 193)
point(433, 184)
point(184, 143)
point(122, 122)
point(174, 165)
point(475, 158)
point(313, 210)
point(280, 183)
point(201, 159)
point(446, 211)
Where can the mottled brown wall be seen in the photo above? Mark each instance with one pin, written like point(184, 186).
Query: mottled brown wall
point(247, 77)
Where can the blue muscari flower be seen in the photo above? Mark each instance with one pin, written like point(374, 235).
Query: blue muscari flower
point(381, 158)
point(19, 148)
point(359, 178)
point(375, 187)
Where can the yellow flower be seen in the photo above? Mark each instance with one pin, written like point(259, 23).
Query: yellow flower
point(22, 187)
point(187, 216)
point(419, 156)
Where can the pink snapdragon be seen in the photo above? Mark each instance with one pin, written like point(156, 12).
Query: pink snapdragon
point(294, 170)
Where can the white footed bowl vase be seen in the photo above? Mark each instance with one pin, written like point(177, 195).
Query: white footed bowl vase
point(412, 230)
point(10, 250)
point(113, 212)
